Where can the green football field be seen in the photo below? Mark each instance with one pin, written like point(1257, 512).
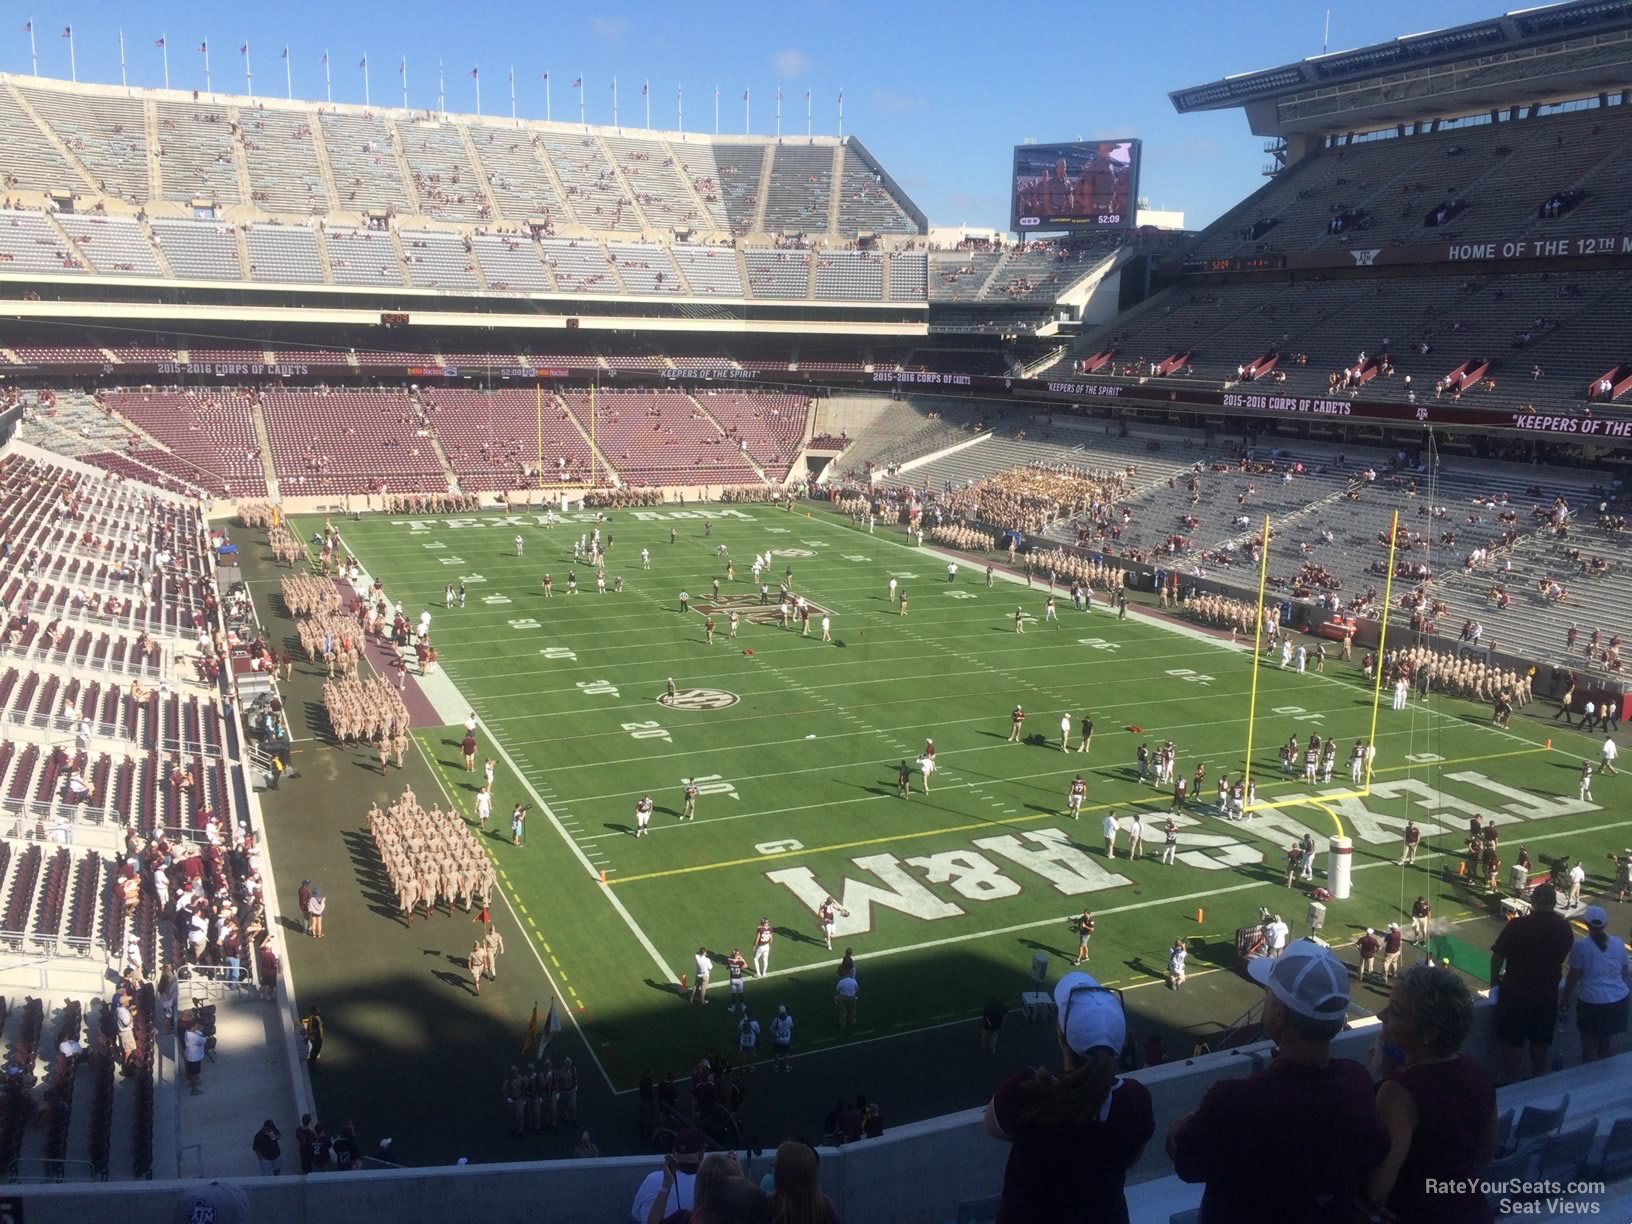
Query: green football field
point(795, 744)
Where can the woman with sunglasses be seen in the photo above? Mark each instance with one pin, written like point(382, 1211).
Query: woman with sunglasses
point(1073, 1133)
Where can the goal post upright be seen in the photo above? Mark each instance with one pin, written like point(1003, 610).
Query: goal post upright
point(1257, 651)
point(1382, 639)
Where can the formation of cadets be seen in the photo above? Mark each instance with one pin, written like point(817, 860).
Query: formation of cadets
point(1424, 669)
point(370, 710)
point(431, 858)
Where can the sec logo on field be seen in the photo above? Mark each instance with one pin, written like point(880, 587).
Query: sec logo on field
point(699, 699)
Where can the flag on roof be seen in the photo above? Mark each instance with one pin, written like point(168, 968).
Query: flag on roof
point(577, 82)
point(286, 53)
point(475, 72)
point(67, 31)
point(363, 63)
point(204, 48)
point(244, 49)
point(325, 58)
point(28, 27)
point(158, 42)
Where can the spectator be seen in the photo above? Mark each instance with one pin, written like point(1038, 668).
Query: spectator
point(1073, 1135)
point(1438, 1104)
point(1597, 984)
point(346, 1152)
point(1525, 962)
point(796, 1196)
point(1313, 1111)
point(194, 1045)
point(676, 1179)
point(267, 1148)
point(723, 1196)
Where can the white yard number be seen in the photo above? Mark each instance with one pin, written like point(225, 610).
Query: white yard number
point(856, 558)
point(713, 784)
point(434, 544)
point(647, 730)
point(786, 846)
point(963, 595)
point(1098, 644)
point(1423, 758)
point(524, 624)
point(557, 652)
point(1298, 714)
point(451, 560)
point(495, 600)
point(598, 688)
point(1188, 676)
point(473, 579)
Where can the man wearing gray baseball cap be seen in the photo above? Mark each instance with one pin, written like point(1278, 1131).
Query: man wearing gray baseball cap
point(1313, 1111)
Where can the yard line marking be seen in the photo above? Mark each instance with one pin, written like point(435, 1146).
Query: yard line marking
point(1118, 772)
point(578, 852)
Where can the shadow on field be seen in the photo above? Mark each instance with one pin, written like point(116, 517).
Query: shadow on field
point(797, 936)
point(617, 828)
point(1037, 945)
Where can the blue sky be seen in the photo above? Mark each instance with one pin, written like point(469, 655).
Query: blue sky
point(939, 92)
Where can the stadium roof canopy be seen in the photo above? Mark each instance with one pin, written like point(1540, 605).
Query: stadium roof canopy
point(1535, 55)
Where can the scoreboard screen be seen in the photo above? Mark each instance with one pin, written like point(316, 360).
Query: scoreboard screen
point(1082, 185)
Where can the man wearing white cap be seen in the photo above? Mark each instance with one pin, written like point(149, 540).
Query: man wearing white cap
point(1315, 1112)
point(1073, 1135)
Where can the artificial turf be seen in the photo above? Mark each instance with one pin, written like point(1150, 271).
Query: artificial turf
point(952, 894)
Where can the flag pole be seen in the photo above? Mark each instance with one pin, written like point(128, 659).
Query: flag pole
point(614, 101)
point(779, 114)
point(841, 113)
point(249, 75)
point(164, 50)
point(646, 92)
point(476, 75)
point(716, 110)
point(441, 89)
point(402, 70)
point(547, 97)
point(512, 93)
point(205, 47)
point(124, 80)
point(680, 108)
point(73, 68)
point(33, 50)
point(581, 118)
point(288, 75)
point(746, 126)
point(810, 120)
point(328, 81)
point(366, 100)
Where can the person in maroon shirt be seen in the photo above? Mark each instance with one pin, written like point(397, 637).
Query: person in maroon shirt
point(1438, 1104)
point(1315, 1113)
point(1526, 962)
point(1074, 1135)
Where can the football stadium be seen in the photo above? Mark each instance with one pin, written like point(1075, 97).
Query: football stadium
point(802, 711)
